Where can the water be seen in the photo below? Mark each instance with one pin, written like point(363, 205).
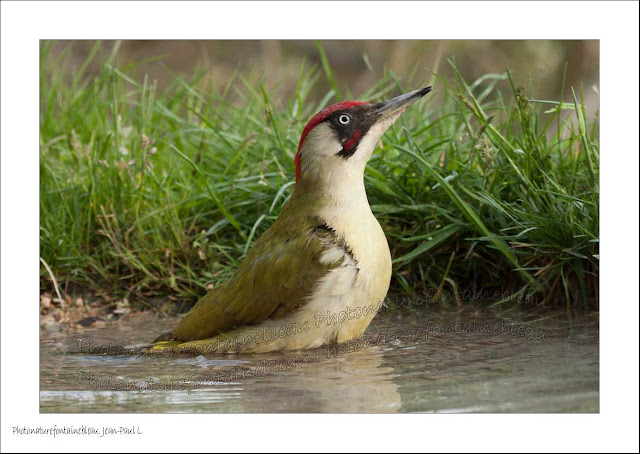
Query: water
point(414, 360)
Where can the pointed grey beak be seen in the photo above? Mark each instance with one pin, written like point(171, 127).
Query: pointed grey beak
point(401, 102)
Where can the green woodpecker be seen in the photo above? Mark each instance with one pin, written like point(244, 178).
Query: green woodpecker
point(321, 271)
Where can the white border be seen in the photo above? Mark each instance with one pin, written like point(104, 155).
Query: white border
point(615, 23)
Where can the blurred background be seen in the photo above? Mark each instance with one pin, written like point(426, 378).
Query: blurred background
point(142, 219)
point(357, 64)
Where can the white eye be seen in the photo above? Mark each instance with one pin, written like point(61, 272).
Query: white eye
point(344, 119)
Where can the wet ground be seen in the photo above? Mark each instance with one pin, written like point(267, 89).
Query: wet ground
point(409, 360)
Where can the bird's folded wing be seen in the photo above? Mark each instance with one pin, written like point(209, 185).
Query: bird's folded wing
point(277, 276)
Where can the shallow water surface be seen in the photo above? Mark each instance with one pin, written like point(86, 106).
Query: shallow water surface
point(409, 360)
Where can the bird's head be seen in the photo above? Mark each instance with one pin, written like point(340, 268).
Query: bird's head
point(338, 141)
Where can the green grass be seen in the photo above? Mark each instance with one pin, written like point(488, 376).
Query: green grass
point(157, 195)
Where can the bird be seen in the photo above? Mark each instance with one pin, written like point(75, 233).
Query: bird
point(321, 271)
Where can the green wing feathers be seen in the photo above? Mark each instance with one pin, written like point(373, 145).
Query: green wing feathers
point(276, 277)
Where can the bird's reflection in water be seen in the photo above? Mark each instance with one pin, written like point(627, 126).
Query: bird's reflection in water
point(457, 372)
point(326, 380)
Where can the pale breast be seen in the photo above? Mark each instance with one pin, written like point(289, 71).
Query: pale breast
point(347, 299)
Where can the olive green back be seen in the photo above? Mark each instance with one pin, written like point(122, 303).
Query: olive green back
point(278, 274)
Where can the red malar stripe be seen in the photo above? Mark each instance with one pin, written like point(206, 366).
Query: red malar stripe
point(351, 142)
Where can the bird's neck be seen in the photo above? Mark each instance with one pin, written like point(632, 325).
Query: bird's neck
point(339, 192)
point(345, 209)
